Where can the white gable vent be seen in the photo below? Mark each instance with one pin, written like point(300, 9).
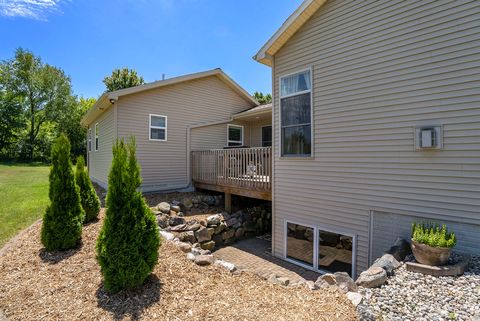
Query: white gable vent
point(428, 137)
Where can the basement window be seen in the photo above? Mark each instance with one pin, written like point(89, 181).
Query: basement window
point(300, 244)
point(235, 135)
point(158, 127)
point(335, 252)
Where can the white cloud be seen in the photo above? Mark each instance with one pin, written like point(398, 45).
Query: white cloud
point(34, 9)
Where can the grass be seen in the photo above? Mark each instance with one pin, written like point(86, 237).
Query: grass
point(24, 196)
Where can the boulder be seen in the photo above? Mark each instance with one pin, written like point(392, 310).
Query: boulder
point(167, 235)
point(209, 245)
point(164, 207)
point(388, 263)
point(200, 251)
point(228, 234)
point(284, 281)
point(329, 278)
point(162, 220)
point(226, 265)
point(175, 208)
point(210, 200)
point(187, 203)
point(191, 256)
point(218, 239)
point(210, 231)
point(231, 222)
point(203, 260)
point(214, 219)
point(372, 278)
point(187, 236)
point(321, 284)
point(180, 228)
point(400, 249)
point(308, 284)
point(185, 247)
point(355, 298)
point(202, 235)
point(176, 220)
point(239, 233)
point(345, 282)
point(220, 228)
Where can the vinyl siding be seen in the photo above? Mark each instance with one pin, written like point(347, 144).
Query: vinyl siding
point(99, 161)
point(215, 136)
point(381, 68)
point(205, 100)
point(256, 131)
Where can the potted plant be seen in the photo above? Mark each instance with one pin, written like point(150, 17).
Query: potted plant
point(432, 244)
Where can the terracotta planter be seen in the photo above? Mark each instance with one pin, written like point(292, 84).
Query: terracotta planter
point(429, 255)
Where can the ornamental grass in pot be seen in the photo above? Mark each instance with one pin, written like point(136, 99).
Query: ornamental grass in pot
point(432, 244)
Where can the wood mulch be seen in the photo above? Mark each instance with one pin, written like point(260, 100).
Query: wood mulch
point(35, 285)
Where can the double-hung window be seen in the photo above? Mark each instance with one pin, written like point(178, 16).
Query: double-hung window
point(296, 114)
point(235, 135)
point(158, 127)
point(266, 136)
point(96, 137)
point(89, 139)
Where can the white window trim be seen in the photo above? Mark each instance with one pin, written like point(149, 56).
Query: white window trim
point(157, 127)
point(316, 229)
point(234, 141)
point(312, 145)
point(96, 137)
point(89, 142)
point(271, 134)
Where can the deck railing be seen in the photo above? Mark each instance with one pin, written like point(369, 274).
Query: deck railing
point(249, 168)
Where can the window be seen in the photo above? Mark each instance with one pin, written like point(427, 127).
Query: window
point(296, 114)
point(235, 135)
point(319, 249)
point(266, 136)
point(158, 127)
point(89, 139)
point(96, 137)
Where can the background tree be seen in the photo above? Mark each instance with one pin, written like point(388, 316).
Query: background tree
point(88, 196)
point(11, 123)
point(127, 247)
point(43, 92)
point(261, 98)
point(63, 218)
point(122, 78)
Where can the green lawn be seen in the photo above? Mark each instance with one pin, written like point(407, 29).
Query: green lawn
point(24, 196)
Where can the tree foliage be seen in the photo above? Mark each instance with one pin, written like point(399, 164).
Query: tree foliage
point(43, 93)
point(262, 98)
point(127, 247)
point(88, 196)
point(63, 218)
point(122, 78)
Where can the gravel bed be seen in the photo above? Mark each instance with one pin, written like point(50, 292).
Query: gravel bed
point(415, 296)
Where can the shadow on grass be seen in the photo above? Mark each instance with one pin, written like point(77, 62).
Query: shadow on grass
point(23, 164)
point(130, 302)
point(55, 257)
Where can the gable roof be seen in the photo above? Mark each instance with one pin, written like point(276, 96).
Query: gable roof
point(104, 102)
point(254, 111)
point(287, 30)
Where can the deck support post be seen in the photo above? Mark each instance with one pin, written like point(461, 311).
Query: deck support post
point(228, 202)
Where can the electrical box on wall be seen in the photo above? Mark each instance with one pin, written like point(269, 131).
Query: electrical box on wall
point(428, 138)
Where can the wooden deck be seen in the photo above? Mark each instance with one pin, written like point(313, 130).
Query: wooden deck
point(239, 171)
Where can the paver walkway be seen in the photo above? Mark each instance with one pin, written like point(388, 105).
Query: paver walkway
point(254, 255)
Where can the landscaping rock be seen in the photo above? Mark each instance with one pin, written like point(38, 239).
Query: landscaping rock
point(321, 284)
point(220, 228)
point(218, 239)
point(345, 282)
point(239, 233)
point(372, 278)
point(180, 228)
point(284, 281)
point(199, 251)
point(329, 278)
point(388, 263)
point(210, 200)
point(400, 249)
point(167, 235)
point(176, 220)
point(355, 298)
point(231, 222)
point(226, 265)
point(202, 235)
point(175, 208)
point(228, 234)
point(187, 203)
point(187, 236)
point(209, 245)
point(185, 247)
point(214, 220)
point(210, 231)
point(191, 256)
point(162, 220)
point(308, 284)
point(164, 207)
point(203, 260)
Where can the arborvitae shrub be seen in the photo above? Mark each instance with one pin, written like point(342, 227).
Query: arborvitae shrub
point(63, 218)
point(127, 247)
point(88, 196)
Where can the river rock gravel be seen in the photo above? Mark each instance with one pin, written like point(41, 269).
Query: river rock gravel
point(415, 296)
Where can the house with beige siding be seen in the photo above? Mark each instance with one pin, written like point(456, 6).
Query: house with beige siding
point(376, 124)
point(173, 118)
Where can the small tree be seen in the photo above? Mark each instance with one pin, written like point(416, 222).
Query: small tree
point(261, 98)
point(63, 218)
point(127, 247)
point(88, 196)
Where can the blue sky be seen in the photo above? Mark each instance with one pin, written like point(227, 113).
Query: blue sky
point(89, 38)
